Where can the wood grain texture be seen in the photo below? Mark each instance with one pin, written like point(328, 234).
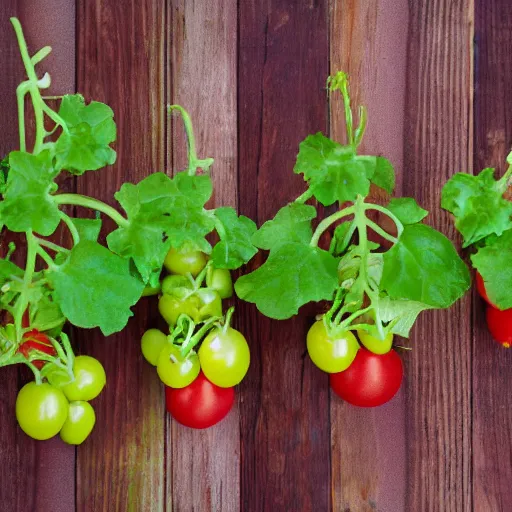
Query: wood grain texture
point(368, 40)
point(204, 466)
point(120, 61)
point(438, 124)
point(284, 409)
point(492, 366)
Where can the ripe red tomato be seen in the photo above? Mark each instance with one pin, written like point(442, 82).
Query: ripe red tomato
point(200, 404)
point(480, 287)
point(499, 324)
point(36, 340)
point(371, 380)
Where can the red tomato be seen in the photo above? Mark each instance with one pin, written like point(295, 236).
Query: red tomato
point(200, 404)
point(371, 380)
point(499, 324)
point(480, 287)
point(36, 340)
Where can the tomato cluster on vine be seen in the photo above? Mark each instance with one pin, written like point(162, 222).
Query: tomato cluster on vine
point(199, 382)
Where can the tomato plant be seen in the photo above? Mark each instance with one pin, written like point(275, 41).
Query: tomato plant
point(201, 404)
point(374, 344)
point(175, 370)
point(36, 341)
point(499, 324)
point(219, 279)
point(371, 380)
point(185, 262)
point(88, 382)
point(152, 343)
point(79, 423)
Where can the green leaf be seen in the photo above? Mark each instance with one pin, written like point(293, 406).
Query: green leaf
point(162, 212)
point(235, 247)
point(292, 223)
point(478, 205)
point(91, 129)
point(293, 275)
point(8, 271)
point(333, 172)
point(407, 210)
point(341, 231)
point(88, 229)
point(424, 267)
point(379, 171)
point(4, 172)
point(493, 263)
point(400, 313)
point(27, 201)
point(94, 288)
point(45, 313)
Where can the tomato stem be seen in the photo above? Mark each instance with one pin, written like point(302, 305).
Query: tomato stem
point(198, 336)
point(381, 232)
point(328, 221)
point(385, 211)
point(227, 319)
point(308, 194)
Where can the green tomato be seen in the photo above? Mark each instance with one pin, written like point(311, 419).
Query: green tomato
point(79, 424)
point(41, 410)
point(331, 352)
point(90, 379)
point(151, 290)
point(219, 279)
point(184, 262)
point(375, 345)
point(211, 303)
point(151, 344)
point(177, 286)
point(174, 370)
point(224, 357)
point(171, 308)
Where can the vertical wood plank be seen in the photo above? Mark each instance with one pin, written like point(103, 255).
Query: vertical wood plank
point(204, 465)
point(368, 40)
point(492, 365)
point(283, 65)
point(35, 476)
point(438, 143)
point(120, 61)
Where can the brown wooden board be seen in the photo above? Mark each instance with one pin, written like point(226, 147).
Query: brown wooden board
point(284, 408)
point(368, 40)
point(492, 365)
point(120, 61)
point(437, 142)
point(204, 465)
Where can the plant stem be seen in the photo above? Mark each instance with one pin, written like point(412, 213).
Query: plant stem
point(71, 226)
point(94, 204)
point(324, 225)
point(45, 256)
point(227, 319)
point(193, 161)
point(197, 337)
point(381, 232)
point(385, 211)
point(308, 194)
point(50, 245)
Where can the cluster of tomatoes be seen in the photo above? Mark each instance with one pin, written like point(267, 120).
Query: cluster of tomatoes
point(199, 383)
point(499, 322)
point(46, 409)
point(366, 373)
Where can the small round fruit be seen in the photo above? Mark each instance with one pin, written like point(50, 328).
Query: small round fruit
point(225, 357)
point(211, 303)
point(374, 344)
point(371, 380)
point(151, 290)
point(185, 262)
point(499, 324)
point(90, 379)
point(171, 308)
point(41, 410)
point(79, 424)
point(480, 287)
point(331, 352)
point(151, 344)
point(219, 279)
point(174, 370)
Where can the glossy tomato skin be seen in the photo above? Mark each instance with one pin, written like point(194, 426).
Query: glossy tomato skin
point(171, 308)
point(79, 424)
point(185, 262)
point(90, 379)
point(152, 343)
point(374, 344)
point(41, 410)
point(499, 324)
point(174, 370)
point(219, 279)
point(200, 405)
point(480, 287)
point(371, 380)
point(35, 340)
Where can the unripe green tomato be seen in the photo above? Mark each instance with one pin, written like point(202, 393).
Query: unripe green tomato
point(151, 344)
point(224, 357)
point(90, 379)
point(211, 303)
point(41, 410)
point(177, 286)
point(171, 308)
point(331, 352)
point(174, 370)
point(219, 279)
point(79, 424)
point(375, 345)
point(151, 290)
point(183, 262)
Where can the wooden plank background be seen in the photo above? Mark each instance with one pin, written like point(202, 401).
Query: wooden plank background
point(436, 79)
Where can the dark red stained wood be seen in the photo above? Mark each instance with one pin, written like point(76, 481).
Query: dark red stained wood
point(120, 61)
point(438, 121)
point(284, 407)
point(368, 445)
point(203, 469)
point(492, 365)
